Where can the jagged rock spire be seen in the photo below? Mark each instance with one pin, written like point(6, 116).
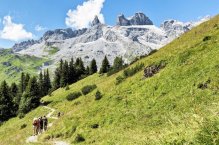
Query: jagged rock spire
point(137, 19)
point(96, 21)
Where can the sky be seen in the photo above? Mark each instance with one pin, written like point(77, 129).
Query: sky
point(28, 19)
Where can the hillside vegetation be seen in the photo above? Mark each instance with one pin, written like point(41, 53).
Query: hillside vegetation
point(177, 105)
point(12, 65)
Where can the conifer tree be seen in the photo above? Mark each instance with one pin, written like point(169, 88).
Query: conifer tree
point(47, 82)
point(64, 75)
point(57, 78)
point(118, 63)
point(32, 92)
point(87, 70)
point(22, 82)
point(105, 66)
point(80, 69)
point(41, 84)
point(93, 67)
point(6, 103)
point(72, 72)
point(27, 78)
point(14, 90)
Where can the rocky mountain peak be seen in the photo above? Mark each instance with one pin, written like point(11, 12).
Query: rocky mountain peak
point(96, 21)
point(122, 21)
point(140, 19)
point(137, 19)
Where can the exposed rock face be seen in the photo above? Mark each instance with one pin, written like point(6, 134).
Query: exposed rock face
point(24, 45)
point(151, 70)
point(140, 19)
point(122, 21)
point(95, 22)
point(137, 19)
point(175, 28)
point(62, 34)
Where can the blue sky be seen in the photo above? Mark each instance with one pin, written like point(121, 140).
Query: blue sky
point(27, 19)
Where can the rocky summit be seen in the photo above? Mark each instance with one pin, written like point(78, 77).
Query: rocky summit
point(137, 19)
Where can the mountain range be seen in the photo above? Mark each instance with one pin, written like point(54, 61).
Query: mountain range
point(129, 38)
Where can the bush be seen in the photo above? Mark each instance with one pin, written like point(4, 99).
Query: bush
point(73, 96)
point(23, 126)
point(119, 79)
point(131, 71)
point(98, 95)
point(87, 89)
point(21, 115)
point(67, 88)
point(94, 126)
point(206, 38)
point(79, 138)
point(50, 92)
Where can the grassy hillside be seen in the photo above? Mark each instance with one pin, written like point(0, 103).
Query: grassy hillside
point(178, 105)
point(11, 65)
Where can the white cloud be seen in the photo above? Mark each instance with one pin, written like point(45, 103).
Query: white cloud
point(12, 31)
point(39, 28)
point(84, 14)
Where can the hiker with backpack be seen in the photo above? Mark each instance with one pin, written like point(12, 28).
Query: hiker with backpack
point(35, 122)
point(41, 124)
point(45, 123)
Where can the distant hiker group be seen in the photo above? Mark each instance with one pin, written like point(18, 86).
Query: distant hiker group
point(39, 125)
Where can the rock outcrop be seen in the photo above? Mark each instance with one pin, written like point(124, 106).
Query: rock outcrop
point(137, 19)
point(95, 22)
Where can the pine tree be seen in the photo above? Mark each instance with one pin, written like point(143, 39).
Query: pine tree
point(32, 92)
point(80, 69)
point(64, 75)
point(47, 82)
point(14, 90)
point(57, 77)
point(22, 82)
point(6, 103)
point(93, 67)
point(118, 64)
point(27, 78)
point(72, 72)
point(105, 66)
point(87, 71)
point(41, 84)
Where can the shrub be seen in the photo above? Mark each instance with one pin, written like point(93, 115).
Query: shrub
point(50, 92)
point(79, 138)
point(73, 96)
point(206, 38)
point(98, 95)
point(21, 115)
point(119, 79)
point(67, 88)
point(23, 126)
point(87, 89)
point(131, 71)
point(94, 126)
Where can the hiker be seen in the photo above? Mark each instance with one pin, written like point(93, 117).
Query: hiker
point(35, 126)
point(45, 123)
point(41, 124)
point(38, 126)
point(59, 114)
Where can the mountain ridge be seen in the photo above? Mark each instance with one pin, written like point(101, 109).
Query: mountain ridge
point(130, 38)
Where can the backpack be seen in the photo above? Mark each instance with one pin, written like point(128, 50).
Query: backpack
point(35, 122)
